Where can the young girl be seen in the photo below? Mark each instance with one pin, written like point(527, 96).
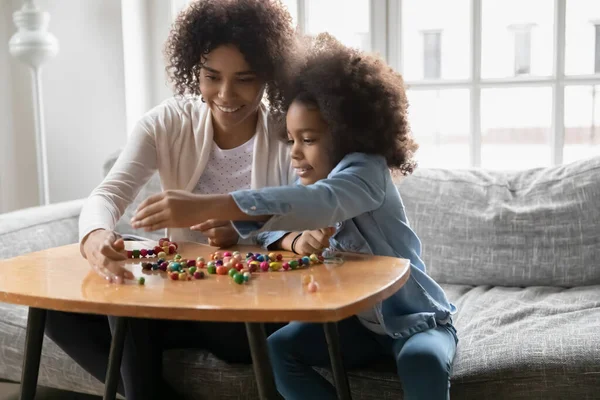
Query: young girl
point(347, 127)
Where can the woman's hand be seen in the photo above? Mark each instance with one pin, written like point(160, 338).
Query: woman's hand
point(311, 242)
point(105, 252)
point(219, 233)
point(169, 209)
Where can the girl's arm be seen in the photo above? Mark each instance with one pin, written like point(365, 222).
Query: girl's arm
point(355, 186)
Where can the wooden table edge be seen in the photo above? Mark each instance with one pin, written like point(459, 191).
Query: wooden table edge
point(191, 314)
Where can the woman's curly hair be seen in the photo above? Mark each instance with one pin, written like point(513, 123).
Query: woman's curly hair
point(360, 97)
point(262, 30)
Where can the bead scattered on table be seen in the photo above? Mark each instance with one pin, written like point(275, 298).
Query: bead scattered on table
point(240, 268)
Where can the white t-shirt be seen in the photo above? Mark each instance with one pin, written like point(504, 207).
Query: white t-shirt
point(226, 171)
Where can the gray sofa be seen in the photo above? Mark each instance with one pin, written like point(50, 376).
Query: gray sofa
point(518, 253)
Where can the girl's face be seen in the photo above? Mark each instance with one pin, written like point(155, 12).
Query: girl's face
point(310, 142)
point(230, 87)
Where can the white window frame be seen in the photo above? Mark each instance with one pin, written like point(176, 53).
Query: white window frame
point(386, 40)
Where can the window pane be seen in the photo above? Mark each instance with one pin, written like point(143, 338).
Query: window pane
point(439, 121)
point(348, 21)
point(423, 31)
point(582, 49)
point(582, 120)
point(517, 38)
point(515, 128)
point(292, 6)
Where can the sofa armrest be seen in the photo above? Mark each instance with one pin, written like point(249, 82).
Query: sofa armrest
point(38, 228)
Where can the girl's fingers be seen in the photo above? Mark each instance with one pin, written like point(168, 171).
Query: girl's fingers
point(108, 250)
point(150, 200)
point(151, 220)
point(147, 211)
point(211, 223)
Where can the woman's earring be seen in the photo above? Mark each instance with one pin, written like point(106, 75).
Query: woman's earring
point(202, 99)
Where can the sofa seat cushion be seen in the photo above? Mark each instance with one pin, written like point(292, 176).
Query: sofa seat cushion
point(535, 342)
point(538, 342)
point(57, 370)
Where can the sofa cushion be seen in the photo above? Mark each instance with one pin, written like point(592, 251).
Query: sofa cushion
point(526, 228)
point(537, 342)
point(57, 370)
point(39, 228)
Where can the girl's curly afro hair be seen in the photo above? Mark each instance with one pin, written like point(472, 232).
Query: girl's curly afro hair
point(261, 29)
point(360, 97)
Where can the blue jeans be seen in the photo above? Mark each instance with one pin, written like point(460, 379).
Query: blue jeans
point(424, 360)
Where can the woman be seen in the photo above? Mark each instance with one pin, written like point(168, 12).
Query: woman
point(223, 58)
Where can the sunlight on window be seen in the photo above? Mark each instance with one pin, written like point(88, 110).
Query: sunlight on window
point(582, 37)
point(349, 21)
point(439, 120)
point(582, 122)
point(515, 127)
point(513, 30)
point(429, 24)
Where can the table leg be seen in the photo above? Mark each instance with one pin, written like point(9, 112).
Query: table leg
point(113, 371)
point(263, 371)
point(34, 338)
point(337, 365)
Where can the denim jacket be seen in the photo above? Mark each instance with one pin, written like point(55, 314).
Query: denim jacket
point(360, 199)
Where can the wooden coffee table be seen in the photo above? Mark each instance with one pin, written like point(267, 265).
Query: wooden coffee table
point(60, 279)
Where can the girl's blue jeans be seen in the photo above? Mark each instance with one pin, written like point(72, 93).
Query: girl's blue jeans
point(424, 360)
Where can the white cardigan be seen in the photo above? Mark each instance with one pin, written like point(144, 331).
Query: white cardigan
point(175, 138)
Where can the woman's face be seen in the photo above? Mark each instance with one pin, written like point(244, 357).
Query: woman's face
point(229, 86)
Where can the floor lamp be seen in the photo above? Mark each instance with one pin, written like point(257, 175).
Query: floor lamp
point(34, 45)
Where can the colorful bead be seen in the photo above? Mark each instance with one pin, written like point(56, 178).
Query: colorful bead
point(238, 278)
point(279, 257)
point(200, 259)
point(227, 254)
point(226, 259)
point(260, 257)
point(219, 263)
point(177, 257)
point(211, 270)
point(143, 252)
point(146, 265)
point(174, 276)
point(253, 266)
point(272, 256)
point(264, 266)
point(221, 270)
point(192, 270)
point(246, 276)
point(211, 264)
point(305, 260)
point(313, 287)
point(157, 249)
point(162, 254)
point(182, 276)
point(314, 258)
point(275, 266)
point(154, 266)
point(150, 252)
point(172, 249)
point(199, 275)
point(162, 240)
point(238, 266)
point(232, 272)
point(141, 280)
point(293, 264)
point(129, 254)
point(200, 264)
point(191, 263)
point(136, 253)
point(286, 266)
point(248, 255)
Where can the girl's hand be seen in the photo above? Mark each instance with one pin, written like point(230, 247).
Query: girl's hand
point(169, 209)
point(105, 252)
point(219, 233)
point(313, 241)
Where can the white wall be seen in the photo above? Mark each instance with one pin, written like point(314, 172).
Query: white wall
point(84, 102)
